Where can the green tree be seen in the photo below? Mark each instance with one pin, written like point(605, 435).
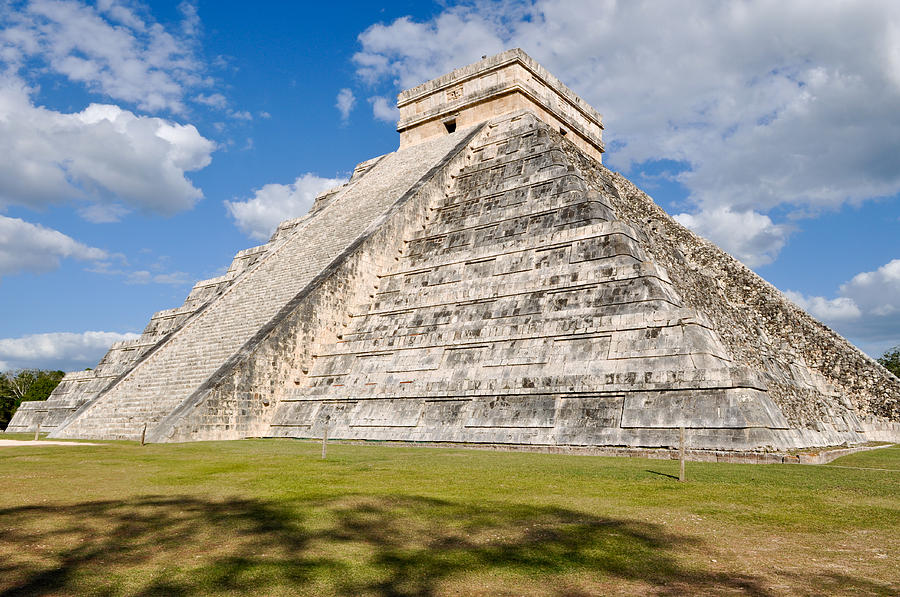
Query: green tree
point(890, 360)
point(8, 402)
point(24, 385)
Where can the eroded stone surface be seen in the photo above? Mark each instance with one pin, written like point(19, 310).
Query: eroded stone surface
point(496, 285)
point(194, 351)
point(527, 311)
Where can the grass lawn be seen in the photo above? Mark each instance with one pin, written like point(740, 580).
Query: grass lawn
point(270, 517)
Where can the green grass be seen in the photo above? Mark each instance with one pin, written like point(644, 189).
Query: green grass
point(885, 458)
point(270, 517)
point(21, 436)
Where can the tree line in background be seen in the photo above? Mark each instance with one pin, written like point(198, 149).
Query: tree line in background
point(23, 385)
point(890, 360)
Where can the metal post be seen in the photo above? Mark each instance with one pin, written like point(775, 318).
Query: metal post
point(143, 434)
point(681, 453)
point(324, 442)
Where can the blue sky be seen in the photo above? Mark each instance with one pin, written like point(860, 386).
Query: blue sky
point(146, 143)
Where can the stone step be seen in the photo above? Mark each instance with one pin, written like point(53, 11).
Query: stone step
point(206, 340)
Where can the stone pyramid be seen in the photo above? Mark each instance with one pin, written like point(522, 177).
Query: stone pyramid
point(490, 282)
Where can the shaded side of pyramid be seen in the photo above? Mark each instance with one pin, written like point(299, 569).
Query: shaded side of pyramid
point(528, 311)
point(492, 283)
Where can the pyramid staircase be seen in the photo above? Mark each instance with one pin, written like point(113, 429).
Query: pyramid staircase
point(489, 283)
point(203, 340)
point(526, 312)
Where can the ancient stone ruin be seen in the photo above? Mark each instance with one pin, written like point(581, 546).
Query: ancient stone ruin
point(490, 282)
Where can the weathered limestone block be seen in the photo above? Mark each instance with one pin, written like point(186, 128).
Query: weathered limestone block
point(193, 356)
point(490, 285)
point(500, 314)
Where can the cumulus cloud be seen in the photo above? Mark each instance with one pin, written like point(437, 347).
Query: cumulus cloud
point(877, 291)
point(833, 310)
point(111, 48)
point(409, 52)
point(272, 204)
point(866, 310)
point(750, 236)
point(59, 350)
point(344, 103)
point(27, 247)
point(384, 110)
point(110, 158)
point(30, 247)
point(766, 104)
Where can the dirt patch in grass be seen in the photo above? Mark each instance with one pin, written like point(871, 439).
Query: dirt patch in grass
point(16, 443)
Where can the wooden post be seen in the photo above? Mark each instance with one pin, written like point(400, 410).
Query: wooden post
point(324, 442)
point(681, 453)
point(143, 434)
point(37, 432)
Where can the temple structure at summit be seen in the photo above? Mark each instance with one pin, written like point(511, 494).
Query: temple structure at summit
point(490, 282)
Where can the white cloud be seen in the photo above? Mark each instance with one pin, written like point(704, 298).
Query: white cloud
point(411, 53)
point(218, 101)
point(148, 277)
point(190, 25)
point(214, 100)
point(240, 115)
point(832, 310)
point(110, 48)
point(766, 103)
point(866, 310)
point(383, 110)
point(103, 155)
point(27, 247)
point(344, 103)
point(103, 213)
point(750, 236)
point(155, 272)
point(877, 292)
point(274, 203)
point(59, 350)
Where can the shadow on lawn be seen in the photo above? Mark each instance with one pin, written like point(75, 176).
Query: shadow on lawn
point(349, 546)
point(662, 474)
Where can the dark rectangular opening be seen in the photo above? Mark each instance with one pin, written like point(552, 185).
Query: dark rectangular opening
point(450, 125)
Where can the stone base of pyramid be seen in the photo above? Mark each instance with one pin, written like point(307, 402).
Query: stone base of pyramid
point(819, 455)
point(712, 420)
point(491, 283)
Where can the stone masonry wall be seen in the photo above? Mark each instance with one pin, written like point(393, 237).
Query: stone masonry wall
point(525, 312)
point(757, 323)
point(241, 398)
point(189, 356)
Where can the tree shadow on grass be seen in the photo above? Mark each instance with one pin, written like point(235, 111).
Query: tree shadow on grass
point(348, 546)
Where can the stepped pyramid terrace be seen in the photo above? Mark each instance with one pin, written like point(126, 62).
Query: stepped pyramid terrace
point(492, 283)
